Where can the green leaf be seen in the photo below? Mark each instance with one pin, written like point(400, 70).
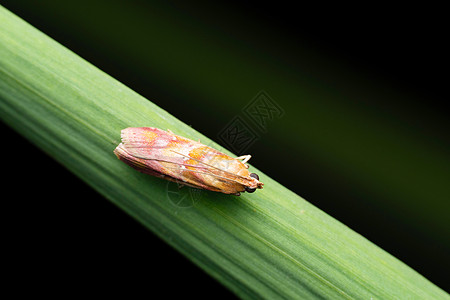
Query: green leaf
point(270, 244)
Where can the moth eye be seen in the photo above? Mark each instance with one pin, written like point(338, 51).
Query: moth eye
point(254, 176)
point(249, 190)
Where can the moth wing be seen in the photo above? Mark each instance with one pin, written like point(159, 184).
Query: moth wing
point(214, 170)
point(177, 163)
point(153, 144)
point(172, 152)
point(148, 142)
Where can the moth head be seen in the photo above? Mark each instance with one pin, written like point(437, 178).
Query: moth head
point(259, 184)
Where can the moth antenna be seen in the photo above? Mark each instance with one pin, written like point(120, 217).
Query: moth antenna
point(186, 165)
point(199, 161)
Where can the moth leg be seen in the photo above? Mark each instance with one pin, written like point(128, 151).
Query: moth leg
point(236, 194)
point(169, 131)
point(180, 184)
point(245, 158)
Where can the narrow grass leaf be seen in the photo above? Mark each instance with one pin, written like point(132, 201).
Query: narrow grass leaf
point(270, 244)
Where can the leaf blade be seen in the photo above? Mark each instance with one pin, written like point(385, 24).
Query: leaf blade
point(268, 244)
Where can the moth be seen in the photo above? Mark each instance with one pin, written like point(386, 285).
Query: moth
point(166, 155)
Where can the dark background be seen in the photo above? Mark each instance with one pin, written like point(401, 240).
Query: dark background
point(364, 136)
